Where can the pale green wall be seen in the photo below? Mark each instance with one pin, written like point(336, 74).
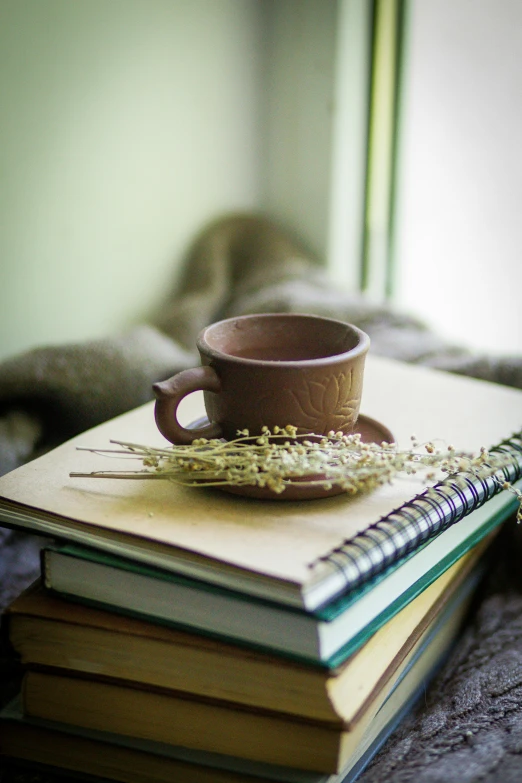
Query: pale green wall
point(125, 125)
point(302, 37)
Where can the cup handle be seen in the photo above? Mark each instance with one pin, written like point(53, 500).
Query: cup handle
point(169, 394)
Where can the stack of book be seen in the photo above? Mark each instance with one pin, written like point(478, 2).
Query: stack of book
point(190, 634)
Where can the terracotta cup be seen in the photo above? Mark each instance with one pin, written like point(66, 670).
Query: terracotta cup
point(268, 370)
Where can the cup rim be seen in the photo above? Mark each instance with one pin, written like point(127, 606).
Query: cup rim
point(208, 350)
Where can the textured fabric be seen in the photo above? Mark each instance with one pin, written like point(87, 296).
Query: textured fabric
point(241, 264)
point(469, 727)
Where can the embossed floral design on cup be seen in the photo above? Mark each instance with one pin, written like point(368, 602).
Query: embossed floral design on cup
point(270, 370)
point(320, 406)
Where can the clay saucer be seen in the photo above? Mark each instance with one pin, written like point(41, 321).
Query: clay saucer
point(370, 430)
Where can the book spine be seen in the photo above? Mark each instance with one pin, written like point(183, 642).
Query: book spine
point(404, 530)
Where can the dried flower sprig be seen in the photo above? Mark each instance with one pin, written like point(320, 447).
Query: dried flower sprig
point(279, 458)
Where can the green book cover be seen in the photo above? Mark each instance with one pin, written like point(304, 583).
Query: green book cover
point(221, 613)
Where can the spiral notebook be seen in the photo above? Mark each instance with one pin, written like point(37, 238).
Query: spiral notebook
point(305, 554)
point(392, 538)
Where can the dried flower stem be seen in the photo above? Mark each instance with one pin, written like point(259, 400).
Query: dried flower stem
point(280, 458)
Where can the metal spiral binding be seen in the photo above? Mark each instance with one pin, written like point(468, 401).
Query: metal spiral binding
point(406, 528)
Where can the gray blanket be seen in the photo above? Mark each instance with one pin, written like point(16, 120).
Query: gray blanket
point(469, 726)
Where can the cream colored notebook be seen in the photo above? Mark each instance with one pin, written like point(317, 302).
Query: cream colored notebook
point(276, 549)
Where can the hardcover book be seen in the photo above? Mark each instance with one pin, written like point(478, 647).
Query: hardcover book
point(30, 744)
point(326, 637)
point(46, 631)
point(260, 736)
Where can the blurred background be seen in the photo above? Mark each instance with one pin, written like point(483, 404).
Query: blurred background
point(384, 132)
